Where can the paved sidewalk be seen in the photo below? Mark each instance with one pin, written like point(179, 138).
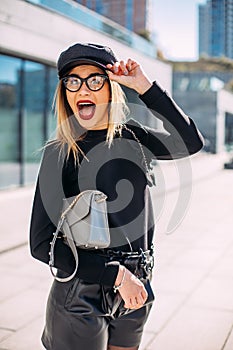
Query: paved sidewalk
point(193, 278)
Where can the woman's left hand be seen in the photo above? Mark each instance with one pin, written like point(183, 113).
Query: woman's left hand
point(129, 74)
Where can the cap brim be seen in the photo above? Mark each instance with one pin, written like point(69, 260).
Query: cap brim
point(77, 62)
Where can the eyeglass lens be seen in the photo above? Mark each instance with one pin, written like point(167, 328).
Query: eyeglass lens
point(94, 83)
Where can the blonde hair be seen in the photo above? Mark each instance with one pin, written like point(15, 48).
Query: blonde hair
point(66, 122)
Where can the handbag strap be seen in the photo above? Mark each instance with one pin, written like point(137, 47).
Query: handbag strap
point(70, 242)
point(72, 246)
point(150, 177)
point(149, 174)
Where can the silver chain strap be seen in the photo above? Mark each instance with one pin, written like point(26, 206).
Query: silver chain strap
point(149, 173)
point(140, 145)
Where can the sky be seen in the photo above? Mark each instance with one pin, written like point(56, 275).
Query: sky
point(176, 25)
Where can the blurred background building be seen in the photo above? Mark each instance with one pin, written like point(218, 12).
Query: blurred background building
point(216, 28)
point(131, 14)
point(204, 89)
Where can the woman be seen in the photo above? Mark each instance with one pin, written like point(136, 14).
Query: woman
point(96, 148)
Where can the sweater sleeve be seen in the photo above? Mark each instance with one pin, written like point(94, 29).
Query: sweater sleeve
point(180, 137)
point(45, 214)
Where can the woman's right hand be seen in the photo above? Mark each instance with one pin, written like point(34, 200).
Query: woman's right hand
point(132, 290)
point(130, 74)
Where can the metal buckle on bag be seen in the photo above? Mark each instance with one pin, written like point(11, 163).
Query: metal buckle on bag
point(100, 198)
point(146, 263)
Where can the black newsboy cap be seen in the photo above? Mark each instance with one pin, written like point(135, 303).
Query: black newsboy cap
point(78, 54)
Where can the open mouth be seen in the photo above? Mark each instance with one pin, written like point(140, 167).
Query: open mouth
point(86, 109)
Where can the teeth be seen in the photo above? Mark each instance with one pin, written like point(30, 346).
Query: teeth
point(85, 104)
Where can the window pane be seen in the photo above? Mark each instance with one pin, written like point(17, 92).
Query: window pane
point(9, 112)
point(34, 107)
point(53, 80)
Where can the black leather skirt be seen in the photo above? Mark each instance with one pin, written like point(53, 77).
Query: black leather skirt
point(85, 316)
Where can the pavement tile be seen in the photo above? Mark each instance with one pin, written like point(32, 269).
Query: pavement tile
point(11, 206)
point(22, 309)
point(172, 216)
point(15, 257)
point(216, 293)
point(177, 279)
point(147, 338)
point(216, 237)
point(5, 333)
point(13, 286)
point(163, 310)
point(224, 267)
point(166, 253)
point(194, 329)
point(27, 338)
point(16, 284)
point(229, 343)
point(22, 272)
point(199, 258)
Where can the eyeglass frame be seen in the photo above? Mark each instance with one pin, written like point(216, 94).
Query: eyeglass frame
point(85, 80)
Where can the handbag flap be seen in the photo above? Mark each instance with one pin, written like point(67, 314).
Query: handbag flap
point(80, 209)
point(82, 204)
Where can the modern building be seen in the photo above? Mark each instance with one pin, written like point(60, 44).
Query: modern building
point(33, 33)
point(216, 28)
point(131, 14)
point(204, 29)
point(203, 94)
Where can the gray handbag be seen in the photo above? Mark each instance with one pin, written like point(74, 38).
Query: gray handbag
point(84, 224)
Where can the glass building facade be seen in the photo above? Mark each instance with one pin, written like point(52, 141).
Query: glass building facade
point(27, 121)
point(216, 28)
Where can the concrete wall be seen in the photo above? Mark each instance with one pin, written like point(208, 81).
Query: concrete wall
point(39, 34)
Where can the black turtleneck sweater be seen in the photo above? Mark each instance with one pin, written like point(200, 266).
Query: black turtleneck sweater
point(118, 171)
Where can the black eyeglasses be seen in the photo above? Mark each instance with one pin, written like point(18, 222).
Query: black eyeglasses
point(94, 82)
